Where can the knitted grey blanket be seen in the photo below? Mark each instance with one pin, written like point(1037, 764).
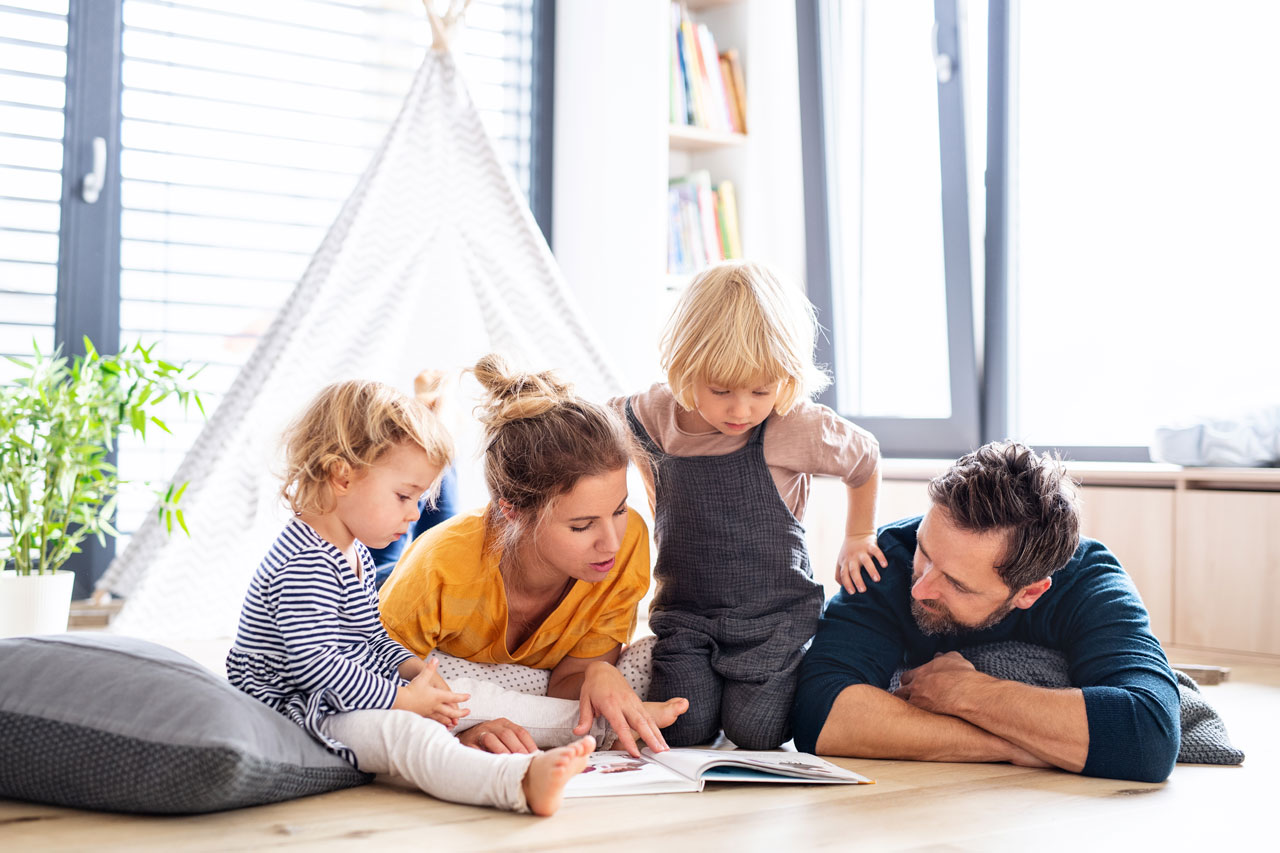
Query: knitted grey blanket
point(1204, 737)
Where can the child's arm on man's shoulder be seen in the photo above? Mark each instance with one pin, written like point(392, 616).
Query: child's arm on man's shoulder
point(860, 552)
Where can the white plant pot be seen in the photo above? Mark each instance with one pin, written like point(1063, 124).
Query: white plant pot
point(34, 604)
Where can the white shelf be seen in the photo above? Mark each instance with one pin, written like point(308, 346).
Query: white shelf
point(702, 5)
point(683, 137)
point(1129, 474)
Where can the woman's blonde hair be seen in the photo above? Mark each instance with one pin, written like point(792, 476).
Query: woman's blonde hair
point(737, 325)
point(540, 440)
point(347, 427)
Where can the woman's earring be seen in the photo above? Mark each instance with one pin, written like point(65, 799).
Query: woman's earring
point(507, 510)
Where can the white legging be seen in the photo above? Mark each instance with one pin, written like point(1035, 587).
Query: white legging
point(412, 748)
point(518, 693)
point(409, 747)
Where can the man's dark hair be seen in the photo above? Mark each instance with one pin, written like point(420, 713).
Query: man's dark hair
point(1008, 486)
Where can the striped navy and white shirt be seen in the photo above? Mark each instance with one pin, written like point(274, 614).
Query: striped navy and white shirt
point(310, 643)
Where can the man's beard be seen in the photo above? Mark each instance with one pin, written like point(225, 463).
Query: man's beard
point(942, 622)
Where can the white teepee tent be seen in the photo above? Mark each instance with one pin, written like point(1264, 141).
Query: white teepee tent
point(434, 260)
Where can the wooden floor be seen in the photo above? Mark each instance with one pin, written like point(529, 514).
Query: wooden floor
point(912, 806)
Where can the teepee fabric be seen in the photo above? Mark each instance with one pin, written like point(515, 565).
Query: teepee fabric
point(434, 260)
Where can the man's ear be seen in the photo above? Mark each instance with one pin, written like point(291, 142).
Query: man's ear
point(1031, 593)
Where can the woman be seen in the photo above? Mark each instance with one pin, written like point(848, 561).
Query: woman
point(549, 573)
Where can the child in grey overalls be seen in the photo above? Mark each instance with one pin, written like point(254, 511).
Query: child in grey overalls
point(733, 440)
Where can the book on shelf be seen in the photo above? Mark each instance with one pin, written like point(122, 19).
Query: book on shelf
point(706, 87)
point(727, 213)
point(677, 771)
point(707, 216)
point(736, 82)
point(687, 45)
point(718, 101)
point(679, 98)
point(702, 226)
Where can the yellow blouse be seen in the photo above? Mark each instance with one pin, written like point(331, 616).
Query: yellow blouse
point(447, 594)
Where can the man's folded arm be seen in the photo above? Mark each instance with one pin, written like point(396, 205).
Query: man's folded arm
point(1130, 694)
point(867, 722)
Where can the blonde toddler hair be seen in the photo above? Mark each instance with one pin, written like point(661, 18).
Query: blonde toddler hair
point(737, 325)
point(349, 425)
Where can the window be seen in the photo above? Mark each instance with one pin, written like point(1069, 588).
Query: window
point(242, 128)
point(33, 66)
point(893, 263)
point(1125, 281)
point(1142, 187)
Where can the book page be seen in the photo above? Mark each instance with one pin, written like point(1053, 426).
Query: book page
point(782, 766)
point(615, 773)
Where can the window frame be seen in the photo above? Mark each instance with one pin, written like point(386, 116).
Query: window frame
point(88, 290)
point(898, 436)
point(979, 394)
point(1001, 151)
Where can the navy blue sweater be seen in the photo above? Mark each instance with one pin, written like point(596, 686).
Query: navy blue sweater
point(1091, 613)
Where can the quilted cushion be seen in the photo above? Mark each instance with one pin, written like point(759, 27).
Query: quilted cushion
point(99, 721)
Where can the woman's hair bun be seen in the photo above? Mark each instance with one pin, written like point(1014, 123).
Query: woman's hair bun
point(512, 395)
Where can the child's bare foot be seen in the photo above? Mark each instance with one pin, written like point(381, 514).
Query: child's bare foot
point(665, 713)
point(550, 771)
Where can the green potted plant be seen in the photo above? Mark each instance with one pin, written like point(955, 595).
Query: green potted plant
point(59, 421)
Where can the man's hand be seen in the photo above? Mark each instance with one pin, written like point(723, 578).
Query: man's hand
point(939, 686)
point(498, 736)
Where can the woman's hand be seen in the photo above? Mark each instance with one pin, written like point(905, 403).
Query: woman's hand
point(498, 736)
point(605, 693)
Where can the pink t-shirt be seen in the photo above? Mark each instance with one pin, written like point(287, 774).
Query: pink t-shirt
point(809, 439)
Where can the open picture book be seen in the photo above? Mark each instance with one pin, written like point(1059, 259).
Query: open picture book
point(615, 773)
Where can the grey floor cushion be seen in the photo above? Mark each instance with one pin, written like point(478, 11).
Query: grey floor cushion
point(98, 721)
point(1204, 735)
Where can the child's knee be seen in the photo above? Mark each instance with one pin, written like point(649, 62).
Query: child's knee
point(693, 728)
point(757, 716)
point(757, 734)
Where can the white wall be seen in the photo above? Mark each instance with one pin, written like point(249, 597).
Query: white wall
point(611, 159)
point(609, 168)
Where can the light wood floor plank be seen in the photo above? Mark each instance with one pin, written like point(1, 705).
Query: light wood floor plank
point(913, 806)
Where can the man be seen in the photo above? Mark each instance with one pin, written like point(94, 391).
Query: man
point(997, 557)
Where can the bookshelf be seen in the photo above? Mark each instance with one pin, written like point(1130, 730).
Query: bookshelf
point(616, 150)
point(707, 136)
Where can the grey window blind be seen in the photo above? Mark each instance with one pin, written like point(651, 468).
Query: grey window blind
point(33, 63)
point(245, 127)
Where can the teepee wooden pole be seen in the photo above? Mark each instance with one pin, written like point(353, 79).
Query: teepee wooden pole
point(443, 26)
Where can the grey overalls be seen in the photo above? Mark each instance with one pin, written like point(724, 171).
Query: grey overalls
point(736, 601)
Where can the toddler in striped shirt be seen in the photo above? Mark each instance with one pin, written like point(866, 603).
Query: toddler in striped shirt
point(310, 643)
